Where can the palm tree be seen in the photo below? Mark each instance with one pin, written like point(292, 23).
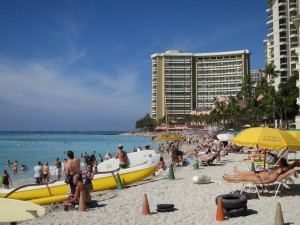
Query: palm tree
point(271, 72)
point(233, 111)
point(245, 91)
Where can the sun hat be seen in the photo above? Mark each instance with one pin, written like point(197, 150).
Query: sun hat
point(120, 146)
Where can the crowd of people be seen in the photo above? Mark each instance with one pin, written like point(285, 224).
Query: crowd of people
point(80, 178)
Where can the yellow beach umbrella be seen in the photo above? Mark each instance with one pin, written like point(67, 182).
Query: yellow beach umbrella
point(269, 138)
point(295, 134)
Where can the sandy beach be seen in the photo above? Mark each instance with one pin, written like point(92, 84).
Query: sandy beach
point(195, 203)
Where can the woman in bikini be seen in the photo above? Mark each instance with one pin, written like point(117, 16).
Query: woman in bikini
point(263, 177)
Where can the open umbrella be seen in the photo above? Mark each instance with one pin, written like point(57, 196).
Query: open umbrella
point(295, 134)
point(225, 137)
point(269, 138)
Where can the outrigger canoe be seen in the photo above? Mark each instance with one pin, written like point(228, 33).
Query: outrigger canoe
point(141, 165)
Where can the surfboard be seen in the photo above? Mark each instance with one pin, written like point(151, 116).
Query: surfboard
point(15, 210)
point(134, 159)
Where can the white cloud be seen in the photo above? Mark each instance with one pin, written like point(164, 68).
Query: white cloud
point(38, 90)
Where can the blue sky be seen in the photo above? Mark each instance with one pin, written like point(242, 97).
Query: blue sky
point(86, 65)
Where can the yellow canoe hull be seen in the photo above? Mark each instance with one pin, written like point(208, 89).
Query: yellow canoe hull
point(56, 192)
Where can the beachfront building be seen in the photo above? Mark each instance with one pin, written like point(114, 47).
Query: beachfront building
point(183, 82)
point(255, 76)
point(296, 21)
point(282, 43)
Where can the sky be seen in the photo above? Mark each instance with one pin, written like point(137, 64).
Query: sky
point(86, 65)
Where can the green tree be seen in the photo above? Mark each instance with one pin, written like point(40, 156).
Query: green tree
point(147, 123)
point(271, 73)
point(245, 91)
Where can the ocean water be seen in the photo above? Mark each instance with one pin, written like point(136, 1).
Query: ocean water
point(30, 147)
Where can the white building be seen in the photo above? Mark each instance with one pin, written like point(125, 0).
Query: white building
point(296, 21)
point(282, 38)
point(282, 47)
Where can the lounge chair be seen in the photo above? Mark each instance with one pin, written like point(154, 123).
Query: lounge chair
point(280, 182)
point(209, 161)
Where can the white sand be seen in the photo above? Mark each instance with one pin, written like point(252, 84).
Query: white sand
point(195, 204)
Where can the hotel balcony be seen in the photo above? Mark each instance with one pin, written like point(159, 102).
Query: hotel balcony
point(298, 83)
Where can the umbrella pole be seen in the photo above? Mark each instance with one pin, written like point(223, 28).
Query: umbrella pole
point(265, 158)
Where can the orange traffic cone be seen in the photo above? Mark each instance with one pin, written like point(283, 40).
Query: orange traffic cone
point(220, 214)
point(145, 209)
point(82, 206)
point(278, 215)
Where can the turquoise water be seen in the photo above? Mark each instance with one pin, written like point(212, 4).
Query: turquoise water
point(30, 147)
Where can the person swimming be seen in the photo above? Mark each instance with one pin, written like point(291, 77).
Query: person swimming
point(24, 167)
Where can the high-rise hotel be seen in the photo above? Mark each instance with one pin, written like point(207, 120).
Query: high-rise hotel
point(183, 82)
point(282, 46)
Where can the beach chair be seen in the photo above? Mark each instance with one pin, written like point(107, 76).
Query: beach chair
point(283, 179)
point(209, 161)
point(243, 186)
point(279, 183)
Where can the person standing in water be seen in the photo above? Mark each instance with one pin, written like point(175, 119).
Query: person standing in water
point(15, 167)
point(6, 179)
point(46, 173)
point(58, 168)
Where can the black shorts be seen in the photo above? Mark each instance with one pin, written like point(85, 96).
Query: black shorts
point(123, 165)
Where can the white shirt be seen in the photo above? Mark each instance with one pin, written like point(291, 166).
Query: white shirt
point(37, 171)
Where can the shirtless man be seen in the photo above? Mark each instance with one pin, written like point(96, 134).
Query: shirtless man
point(72, 168)
point(46, 173)
point(58, 168)
point(80, 187)
point(122, 156)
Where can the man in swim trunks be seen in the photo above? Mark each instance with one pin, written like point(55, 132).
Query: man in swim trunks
point(122, 156)
point(46, 173)
point(58, 168)
point(6, 179)
point(72, 168)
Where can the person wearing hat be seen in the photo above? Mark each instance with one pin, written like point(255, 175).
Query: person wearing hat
point(122, 156)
